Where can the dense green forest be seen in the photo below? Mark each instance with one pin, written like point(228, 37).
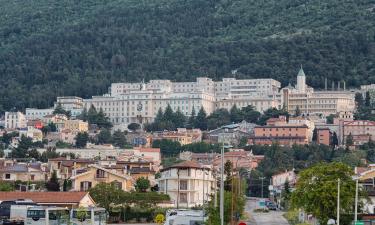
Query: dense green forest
point(78, 47)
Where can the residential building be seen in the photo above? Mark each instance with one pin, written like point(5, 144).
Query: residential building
point(240, 159)
point(33, 113)
point(31, 172)
point(201, 158)
point(309, 101)
point(90, 152)
point(61, 199)
point(36, 123)
point(279, 131)
point(182, 135)
point(323, 136)
point(32, 132)
point(366, 176)
point(65, 167)
point(278, 180)
point(15, 120)
point(94, 174)
point(57, 119)
point(67, 136)
point(361, 131)
point(231, 134)
point(187, 183)
point(71, 103)
point(76, 125)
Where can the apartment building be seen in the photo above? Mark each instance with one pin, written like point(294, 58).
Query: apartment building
point(310, 101)
point(33, 113)
point(187, 183)
point(76, 125)
point(279, 131)
point(15, 120)
point(139, 102)
point(361, 131)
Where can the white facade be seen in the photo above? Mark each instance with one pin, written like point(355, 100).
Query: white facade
point(139, 102)
point(33, 113)
point(308, 101)
point(15, 120)
point(187, 186)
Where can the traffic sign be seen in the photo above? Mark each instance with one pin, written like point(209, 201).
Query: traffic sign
point(242, 223)
point(359, 223)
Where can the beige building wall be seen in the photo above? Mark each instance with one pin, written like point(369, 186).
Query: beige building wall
point(76, 125)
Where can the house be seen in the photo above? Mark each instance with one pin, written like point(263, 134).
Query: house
point(76, 125)
point(231, 134)
point(32, 132)
point(95, 174)
point(366, 176)
point(62, 199)
point(25, 172)
point(188, 184)
point(57, 119)
point(65, 167)
point(182, 135)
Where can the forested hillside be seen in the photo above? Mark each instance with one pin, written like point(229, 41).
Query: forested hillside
point(78, 47)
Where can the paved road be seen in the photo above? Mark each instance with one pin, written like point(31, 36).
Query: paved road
point(270, 218)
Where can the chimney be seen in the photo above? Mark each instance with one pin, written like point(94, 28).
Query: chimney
point(344, 85)
point(333, 85)
point(325, 83)
point(338, 85)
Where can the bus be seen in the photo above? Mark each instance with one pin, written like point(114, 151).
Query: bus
point(185, 217)
point(41, 215)
point(90, 216)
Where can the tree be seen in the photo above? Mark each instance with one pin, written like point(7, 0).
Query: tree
point(23, 147)
point(367, 99)
point(315, 135)
point(330, 118)
point(286, 194)
point(104, 136)
point(4, 186)
point(142, 184)
point(53, 184)
point(134, 126)
point(201, 119)
point(235, 114)
point(60, 110)
point(179, 119)
point(359, 99)
point(81, 139)
point(316, 190)
point(349, 140)
point(297, 112)
point(119, 139)
point(167, 147)
point(335, 140)
point(33, 153)
point(105, 194)
point(168, 114)
point(228, 167)
point(250, 114)
point(190, 123)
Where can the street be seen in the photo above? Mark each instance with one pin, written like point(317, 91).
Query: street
point(270, 218)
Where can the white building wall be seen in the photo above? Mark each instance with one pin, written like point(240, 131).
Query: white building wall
point(15, 120)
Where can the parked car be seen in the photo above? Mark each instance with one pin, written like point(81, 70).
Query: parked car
point(271, 206)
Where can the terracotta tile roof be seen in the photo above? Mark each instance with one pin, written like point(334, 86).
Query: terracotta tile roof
point(45, 197)
point(148, 149)
point(184, 165)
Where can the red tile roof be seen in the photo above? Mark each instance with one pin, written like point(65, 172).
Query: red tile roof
point(45, 197)
point(148, 149)
point(185, 165)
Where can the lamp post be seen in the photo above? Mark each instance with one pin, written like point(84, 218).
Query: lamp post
point(222, 187)
point(338, 202)
point(356, 201)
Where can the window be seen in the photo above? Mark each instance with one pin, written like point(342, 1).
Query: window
point(32, 177)
point(85, 185)
point(183, 185)
point(100, 173)
point(183, 197)
point(7, 176)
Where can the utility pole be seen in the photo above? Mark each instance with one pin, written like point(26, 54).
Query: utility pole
point(222, 187)
point(338, 202)
point(356, 201)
